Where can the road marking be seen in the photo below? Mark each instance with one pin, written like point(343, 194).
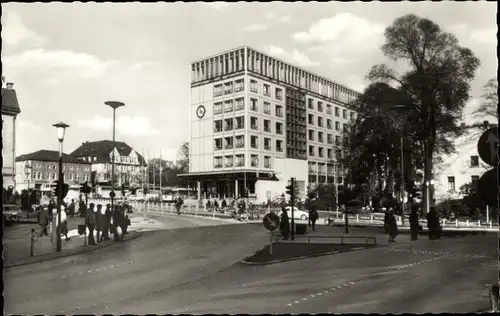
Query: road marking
point(311, 296)
point(297, 302)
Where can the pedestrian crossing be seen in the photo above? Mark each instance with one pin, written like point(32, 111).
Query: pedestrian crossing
point(138, 223)
point(440, 253)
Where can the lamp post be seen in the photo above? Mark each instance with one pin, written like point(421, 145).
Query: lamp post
point(401, 109)
point(114, 105)
point(27, 172)
point(61, 130)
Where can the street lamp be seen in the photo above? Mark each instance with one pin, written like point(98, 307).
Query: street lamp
point(27, 172)
point(61, 130)
point(401, 109)
point(114, 105)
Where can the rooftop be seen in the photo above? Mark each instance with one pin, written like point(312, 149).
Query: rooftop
point(10, 105)
point(49, 155)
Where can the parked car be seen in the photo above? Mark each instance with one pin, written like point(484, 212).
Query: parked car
point(297, 214)
point(11, 213)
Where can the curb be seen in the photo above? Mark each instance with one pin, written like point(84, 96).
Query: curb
point(244, 261)
point(196, 216)
point(69, 253)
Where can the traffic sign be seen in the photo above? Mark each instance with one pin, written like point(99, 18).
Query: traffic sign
point(112, 194)
point(271, 221)
point(488, 187)
point(487, 146)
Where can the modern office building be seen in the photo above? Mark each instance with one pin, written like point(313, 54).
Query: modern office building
point(256, 121)
point(10, 110)
point(40, 169)
point(129, 164)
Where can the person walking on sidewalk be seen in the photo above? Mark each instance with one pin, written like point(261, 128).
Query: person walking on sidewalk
point(433, 223)
point(107, 223)
point(63, 229)
point(314, 217)
point(392, 226)
point(284, 224)
point(100, 222)
point(91, 221)
point(414, 223)
point(44, 219)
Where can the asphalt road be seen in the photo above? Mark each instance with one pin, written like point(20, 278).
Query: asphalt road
point(193, 270)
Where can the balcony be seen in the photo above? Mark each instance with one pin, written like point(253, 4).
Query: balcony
point(239, 145)
point(228, 128)
point(238, 89)
point(228, 91)
point(217, 129)
point(239, 107)
point(254, 90)
point(267, 129)
point(254, 146)
point(218, 166)
point(217, 94)
point(255, 127)
point(239, 164)
point(229, 165)
point(267, 147)
point(240, 126)
point(217, 147)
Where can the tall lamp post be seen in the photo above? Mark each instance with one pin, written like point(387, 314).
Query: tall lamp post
point(114, 105)
point(27, 172)
point(61, 130)
point(401, 109)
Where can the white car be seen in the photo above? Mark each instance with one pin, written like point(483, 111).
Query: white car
point(297, 214)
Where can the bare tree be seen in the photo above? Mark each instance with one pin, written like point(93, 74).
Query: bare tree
point(489, 105)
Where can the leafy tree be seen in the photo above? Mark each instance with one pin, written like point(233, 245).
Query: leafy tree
point(436, 82)
point(489, 105)
point(183, 161)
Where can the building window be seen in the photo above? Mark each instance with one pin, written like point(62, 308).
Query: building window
point(337, 126)
point(329, 124)
point(254, 161)
point(218, 126)
point(47, 176)
point(337, 112)
point(310, 119)
point(346, 142)
point(320, 106)
point(311, 135)
point(254, 142)
point(267, 143)
point(217, 162)
point(239, 85)
point(240, 122)
point(279, 128)
point(254, 105)
point(451, 183)
point(228, 124)
point(311, 150)
point(70, 176)
point(338, 154)
point(279, 94)
point(344, 114)
point(279, 145)
point(475, 183)
point(267, 90)
point(240, 104)
point(321, 152)
point(217, 90)
point(346, 128)
point(474, 161)
point(328, 109)
point(253, 86)
point(352, 116)
point(320, 137)
point(240, 141)
point(330, 153)
point(229, 161)
point(254, 123)
point(279, 111)
point(228, 143)
point(228, 106)
point(217, 107)
point(267, 126)
point(320, 121)
point(267, 108)
point(228, 87)
point(267, 162)
point(240, 160)
point(329, 139)
point(310, 104)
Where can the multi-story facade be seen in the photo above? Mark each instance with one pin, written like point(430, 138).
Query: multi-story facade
point(256, 121)
point(129, 164)
point(40, 169)
point(464, 167)
point(10, 110)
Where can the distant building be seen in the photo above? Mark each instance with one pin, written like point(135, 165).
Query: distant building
point(10, 110)
point(40, 169)
point(129, 164)
point(255, 121)
point(461, 168)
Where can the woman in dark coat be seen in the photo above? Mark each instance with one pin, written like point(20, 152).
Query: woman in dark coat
point(392, 226)
point(284, 224)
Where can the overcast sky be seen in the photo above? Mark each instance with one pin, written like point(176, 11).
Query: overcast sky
point(66, 60)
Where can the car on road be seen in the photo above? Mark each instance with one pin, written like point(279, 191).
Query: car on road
point(297, 214)
point(11, 213)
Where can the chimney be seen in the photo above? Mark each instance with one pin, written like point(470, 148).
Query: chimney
point(462, 125)
point(10, 85)
point(486, 123)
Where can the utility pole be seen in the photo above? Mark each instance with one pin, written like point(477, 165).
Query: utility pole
point(290, 189)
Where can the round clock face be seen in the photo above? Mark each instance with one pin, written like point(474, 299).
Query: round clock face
point(200, 111)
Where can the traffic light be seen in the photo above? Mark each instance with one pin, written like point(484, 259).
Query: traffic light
point(85, 188)
point(290, 190)
point(65, 188)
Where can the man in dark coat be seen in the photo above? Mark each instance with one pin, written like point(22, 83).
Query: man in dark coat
point(432, 223)
point(414, 223)
point(107, 223)
point(392, 226)
point(118, 219)
point(284, 224)
point(44, 219)
point(90, 219)
point(100, 221)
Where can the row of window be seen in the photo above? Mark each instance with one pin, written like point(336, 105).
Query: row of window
point(54, 167)
point(239, 161)
point(330, 168)
point(239, 104)
point(229, 87)
point(329, 123)
point(320, 108)
point(236, 123)
point(451, 182)
point(239, 142)
point(329, 140)
point(267, 91)
point(53, 176)
point(321, 152)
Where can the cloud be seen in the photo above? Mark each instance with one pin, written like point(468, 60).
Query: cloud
point(294, 57)
point(58, 63)
point(30, 135)
point(217, 5)
point(274, 17)
point(15, 33)
point(488, 36)
point(125, 125)
point(255, 28)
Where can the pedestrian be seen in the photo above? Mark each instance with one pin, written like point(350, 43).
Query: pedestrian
point(71, 208)
point(107, 223)
point(178, 204)
point(91, 222)
point(125, 225)
point(82, 209)
point(392, 226)
point(432, 223)
point(414, 224)
point(51, 208)
point(44, 219)
point(116, 223)
point(314, 217)
point(63, 228)
point(99, 216)
point(284, 224)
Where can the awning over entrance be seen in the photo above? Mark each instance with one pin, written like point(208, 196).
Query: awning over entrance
point(230, 175)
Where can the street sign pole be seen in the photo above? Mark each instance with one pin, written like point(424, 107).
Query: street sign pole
point(270, 243)
point(292, 196)
point(271, 222)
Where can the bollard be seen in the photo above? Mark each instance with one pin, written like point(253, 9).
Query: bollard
point(491, 224)
point(456, 222)
point(32, 242)
point(371, 218)
point(467, 222)
point(444, 222)
point(196, 210)
point(357, 218)
point(479, 223)
point(494, 298)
